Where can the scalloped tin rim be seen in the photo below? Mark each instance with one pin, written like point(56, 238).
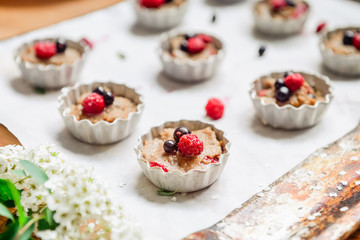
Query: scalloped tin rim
point(63, 108)
point(175, 172)
point(328, 96)
point(42, 67)
point(166, 36)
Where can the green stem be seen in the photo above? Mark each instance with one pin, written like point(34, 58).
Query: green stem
point(21, 180)
point(26, 227)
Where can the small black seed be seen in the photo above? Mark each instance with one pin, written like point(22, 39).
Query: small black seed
point(213, 19)
point(262, 50)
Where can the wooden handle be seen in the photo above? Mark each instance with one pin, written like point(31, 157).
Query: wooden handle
point(6, 137)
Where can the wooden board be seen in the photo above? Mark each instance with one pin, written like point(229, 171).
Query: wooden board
point(21, 16)
point(318, 199)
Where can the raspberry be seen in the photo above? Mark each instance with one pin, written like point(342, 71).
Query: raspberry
point(190, 145)
point(320, 27)
point(262, 93)
point(152, 3)
point(205, 38)
point(87, 42)
point(155, 164)
point(294, 81)
point(277, 4)
point(195, 45)
point(214, 108)
point(45, 50)
point(93, 104)
point(299, 10)
point(356, 41)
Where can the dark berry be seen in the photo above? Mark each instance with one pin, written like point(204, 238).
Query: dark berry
point(283, 94)
point(108, 98)
point(348, 38)
point(290, 3)
point(184, 46)
point(100, 90)
point(168, 1)
point(279, 83)
point(61, 45)
point(213, 19)
point(287, 74)
point(189, 35)
point(179, 132)
point(262, 50)
point(170, 147)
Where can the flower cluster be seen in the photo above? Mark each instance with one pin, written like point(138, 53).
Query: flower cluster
point(83, 206)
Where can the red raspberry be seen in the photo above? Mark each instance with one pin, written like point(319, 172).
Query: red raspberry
point(93, 104)
point(205, 38)
point(190, 145)
point(214, 108)
point(195, 45)
point(152, 3)
point(320, 27)
point(155, 164)
point(45, 50)
point(294, 81)
point(356, 41)
point(277, 4)
point(262, 93)
point(299, 10)
point(87, 42)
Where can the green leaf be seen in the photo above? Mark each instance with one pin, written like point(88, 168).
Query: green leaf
point(163, 192)
point(10, 232)
point(39, 90)
point(5, 191)
point(121, 55)
point(5, 212)
point(34, 171)
point(16, 197)
point(20, 173)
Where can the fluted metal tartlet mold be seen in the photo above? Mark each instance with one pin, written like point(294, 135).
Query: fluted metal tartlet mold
point(162, 18)
point(194, 179)
point(288, 116)
point(102, 132)
point(348, 65)
point(271, 26)
point(51, 76)
point(189, 70)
